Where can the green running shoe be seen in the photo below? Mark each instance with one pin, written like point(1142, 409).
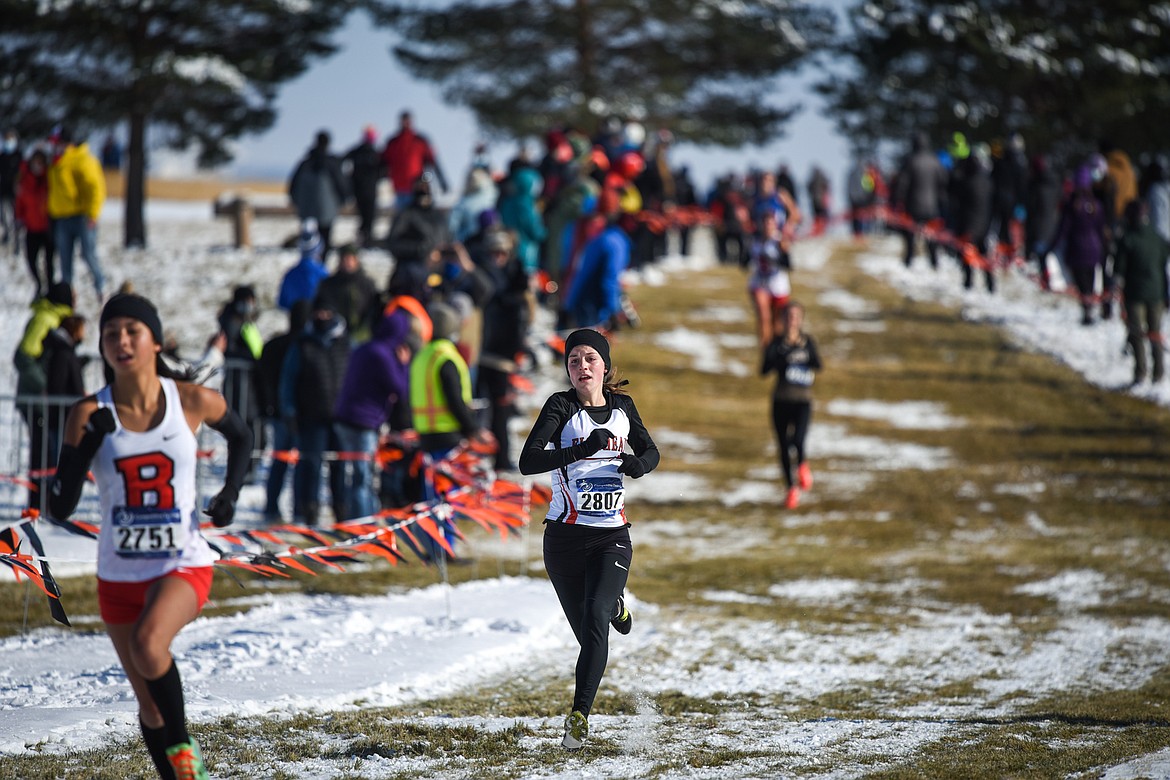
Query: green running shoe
point(576, 729)
point(622, 620)
point(187, 761)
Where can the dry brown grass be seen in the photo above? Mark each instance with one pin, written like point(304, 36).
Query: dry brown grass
point(202, 188)
point(959, 535)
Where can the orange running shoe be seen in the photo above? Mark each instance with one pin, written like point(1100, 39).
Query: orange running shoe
point(805, 475)
point(793, 500)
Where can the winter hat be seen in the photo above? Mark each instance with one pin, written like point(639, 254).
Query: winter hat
point(488, 218)
point(498, 241)
point(610, 202)
point(61, 293)
point(1099, 166)
point(323, 301)
point(1084, 178)
point(958, 147)
point(136, 308)
point(580, 147)
point(463, 305)
point(370, 133)
point(982, 153)
point(589, 338)
point(309, 241)
point(445, 320)
point(478, 180)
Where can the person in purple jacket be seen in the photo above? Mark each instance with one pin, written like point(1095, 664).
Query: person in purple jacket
point(1084, 236)
point(375, 390)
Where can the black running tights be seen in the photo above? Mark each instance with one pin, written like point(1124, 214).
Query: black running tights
point(588, 568)
point(790, 418)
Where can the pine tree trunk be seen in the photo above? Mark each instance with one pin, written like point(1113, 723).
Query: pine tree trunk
point(135, 221)
point(585, 54)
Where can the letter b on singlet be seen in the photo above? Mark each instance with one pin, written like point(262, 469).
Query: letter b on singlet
point(147, 480)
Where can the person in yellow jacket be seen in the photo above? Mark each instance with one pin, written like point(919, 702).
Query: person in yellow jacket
point(440, 397)
point(77, 190)
point(440, 389)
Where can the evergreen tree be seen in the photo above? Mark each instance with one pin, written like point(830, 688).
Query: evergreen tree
point(196, 72)
point(1063, 73)
point(706, 69)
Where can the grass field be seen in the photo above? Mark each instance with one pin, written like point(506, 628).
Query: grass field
point(982, 594)
point(206, 188)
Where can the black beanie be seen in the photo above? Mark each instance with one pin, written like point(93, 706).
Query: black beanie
point(135, 307)
point(61, 292)
point(591, 338)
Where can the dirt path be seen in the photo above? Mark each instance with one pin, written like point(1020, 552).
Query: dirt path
point(976, 585)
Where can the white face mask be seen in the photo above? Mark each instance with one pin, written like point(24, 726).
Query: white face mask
point(10, 144)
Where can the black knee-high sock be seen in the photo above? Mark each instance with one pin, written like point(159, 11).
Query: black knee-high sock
point(156, 745)
point(167, 692)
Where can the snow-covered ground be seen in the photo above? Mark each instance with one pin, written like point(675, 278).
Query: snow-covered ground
point(64, 690)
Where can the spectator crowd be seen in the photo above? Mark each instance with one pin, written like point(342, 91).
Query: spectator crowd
point(370, 381)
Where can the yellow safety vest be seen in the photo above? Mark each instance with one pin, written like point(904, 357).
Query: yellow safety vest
point(428, 403)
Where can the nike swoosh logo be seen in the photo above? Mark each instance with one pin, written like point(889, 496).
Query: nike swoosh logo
point(168, 437)
point(620, 546)
point(623, 568)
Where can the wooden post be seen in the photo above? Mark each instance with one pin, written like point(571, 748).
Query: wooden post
point(242, 214)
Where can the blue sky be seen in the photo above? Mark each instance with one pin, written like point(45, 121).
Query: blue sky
point(363, 84)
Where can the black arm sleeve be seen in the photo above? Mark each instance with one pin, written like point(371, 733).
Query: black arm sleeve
point(239, 441)
point(771, 362)
point(639, 438)
point(814, 357)
point(73, 464)
point(534, 458)
point(65, 489)
point(453, 390)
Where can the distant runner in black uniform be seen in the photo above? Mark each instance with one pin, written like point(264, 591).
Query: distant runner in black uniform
point(792, 354)
point(582, 436)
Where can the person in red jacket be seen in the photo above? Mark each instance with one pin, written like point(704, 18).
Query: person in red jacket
point(408, 156)
point(32, 211)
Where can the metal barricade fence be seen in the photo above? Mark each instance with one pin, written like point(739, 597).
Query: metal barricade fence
point(31, 431)
point(32, 428)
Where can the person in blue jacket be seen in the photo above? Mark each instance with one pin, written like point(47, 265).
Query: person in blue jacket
point(595, 292)
point(301, 281)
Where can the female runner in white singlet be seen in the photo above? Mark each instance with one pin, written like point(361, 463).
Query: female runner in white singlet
point(770, 260)
point(581, 436)
point(154, 566)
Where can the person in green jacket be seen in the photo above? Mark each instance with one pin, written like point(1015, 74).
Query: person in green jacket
point(47, 313)
point(1140, 266)
point(32, 380)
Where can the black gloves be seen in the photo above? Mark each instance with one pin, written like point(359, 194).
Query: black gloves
point(632, 466)
point(100, 422)
point(598, 440)
point(222, 508)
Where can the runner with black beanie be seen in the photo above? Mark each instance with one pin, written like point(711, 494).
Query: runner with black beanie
point(589, 437)
point(154, 568)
